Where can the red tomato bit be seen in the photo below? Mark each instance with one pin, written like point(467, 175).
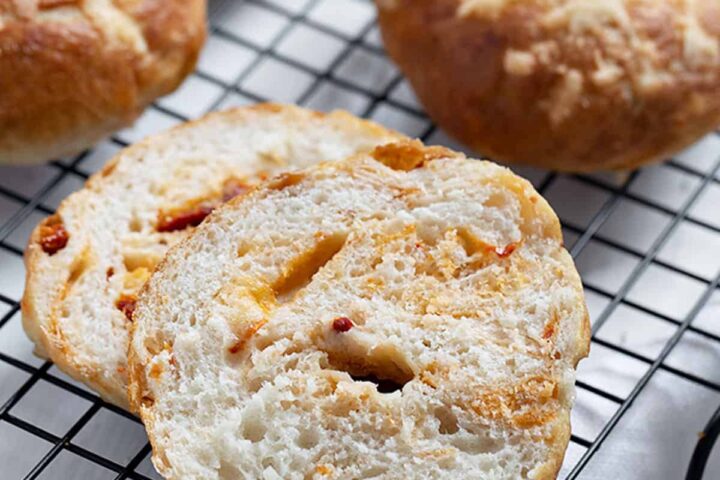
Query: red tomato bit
point(342, 324)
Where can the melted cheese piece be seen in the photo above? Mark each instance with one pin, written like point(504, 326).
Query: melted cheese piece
point(582, 16)
point(482, 8)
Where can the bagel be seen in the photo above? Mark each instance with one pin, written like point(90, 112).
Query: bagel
point(408, 313)
point(74, 71)
point(86, 263)
point(573, 85)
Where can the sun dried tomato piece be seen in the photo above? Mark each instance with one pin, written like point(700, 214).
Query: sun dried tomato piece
point(172, 222)
point(126, 304)
point(193, 214)
point(342, 324)
point(53, 238)
point(505, 251)
point(548, 331)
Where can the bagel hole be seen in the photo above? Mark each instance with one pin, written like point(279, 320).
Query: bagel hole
point(429, 234)
point(382, 385)
point(253, 428)
point(308, 438)
point(254, 384)
point(228, 470)
point(303, 267)
point(385, 367)
point(263, 341)
point(153, 345)
point(476, 444)
point(448, 421)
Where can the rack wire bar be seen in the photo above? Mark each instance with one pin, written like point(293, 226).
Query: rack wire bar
point(346, 68)
point(708, 437)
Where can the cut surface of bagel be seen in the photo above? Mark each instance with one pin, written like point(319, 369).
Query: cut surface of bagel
point(86, 263)
point(408, 313)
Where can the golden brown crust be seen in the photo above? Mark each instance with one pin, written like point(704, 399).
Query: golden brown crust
point(574, 85)
point(558, 444)
point(50, 342)
point(72, 72)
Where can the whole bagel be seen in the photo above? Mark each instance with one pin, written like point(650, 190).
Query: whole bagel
point(73, 71)
point(575, 85)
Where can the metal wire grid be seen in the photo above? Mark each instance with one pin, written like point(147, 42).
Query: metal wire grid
point(362, 38)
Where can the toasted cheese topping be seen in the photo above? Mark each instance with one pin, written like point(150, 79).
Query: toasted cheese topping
point(613, 45)
point(701, 49)
point(115, 24)
point(482, 8)
point(519, 63)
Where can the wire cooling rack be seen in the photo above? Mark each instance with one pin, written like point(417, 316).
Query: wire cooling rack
point(647, 246)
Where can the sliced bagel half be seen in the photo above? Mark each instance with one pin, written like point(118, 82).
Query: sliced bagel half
point(408, 313)
point(86, 263)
